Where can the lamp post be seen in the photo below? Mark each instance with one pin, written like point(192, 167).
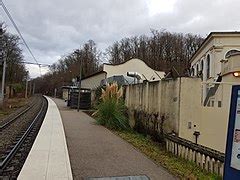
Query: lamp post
point(26, 88)
point(2, 60)
point(79, 84)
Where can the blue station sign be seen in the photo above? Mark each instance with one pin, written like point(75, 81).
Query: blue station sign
point(232, 154)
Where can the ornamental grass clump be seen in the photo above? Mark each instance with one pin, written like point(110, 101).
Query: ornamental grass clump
point(111, 109)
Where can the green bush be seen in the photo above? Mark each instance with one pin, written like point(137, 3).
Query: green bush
point(18, 87)
point(111, 109)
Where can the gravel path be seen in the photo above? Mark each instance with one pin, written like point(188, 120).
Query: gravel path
point(96, 152)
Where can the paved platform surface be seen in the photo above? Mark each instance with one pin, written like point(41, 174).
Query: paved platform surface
point(96, 152)
point(48, 158)
point(121, 178)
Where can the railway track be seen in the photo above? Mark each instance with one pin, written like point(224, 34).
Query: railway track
point(14, 118)
point(13, 158)
point(17, 113)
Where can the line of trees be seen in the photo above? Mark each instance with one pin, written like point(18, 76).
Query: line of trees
point(68, 67)
point(16, 72)
point(162, 50)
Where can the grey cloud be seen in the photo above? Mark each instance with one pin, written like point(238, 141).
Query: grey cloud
point(54, 27)
point(203, 16)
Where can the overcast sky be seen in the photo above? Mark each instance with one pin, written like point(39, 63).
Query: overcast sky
point(53, 28)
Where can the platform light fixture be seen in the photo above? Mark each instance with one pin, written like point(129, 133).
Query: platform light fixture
point(236, 74)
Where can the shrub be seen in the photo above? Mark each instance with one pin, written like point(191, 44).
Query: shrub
point(111, 109)
point(98, 93)
point(18, 87)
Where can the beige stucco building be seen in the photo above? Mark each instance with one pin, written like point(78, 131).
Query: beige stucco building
point(132, 65)
point(93, 81)
point(214, 64)
point(216, 47)
point(199, 103)
point(209, 59)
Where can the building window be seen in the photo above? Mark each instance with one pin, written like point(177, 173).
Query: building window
point(232, 53)
point(212, 103)
point(197, 69)
point(208, 66)
point(219, 103)
point(201, 65)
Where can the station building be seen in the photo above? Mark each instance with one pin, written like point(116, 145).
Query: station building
point(216, 65)
point(109, 70)
point(215, 62)
point(196, 108)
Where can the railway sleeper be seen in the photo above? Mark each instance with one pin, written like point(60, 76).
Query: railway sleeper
point(15, 161)
point(12, 146)
point(27, 141)
point(3, 157)
point(8, 169)
point(8, 151)
point(17, 139)
point(4, 177)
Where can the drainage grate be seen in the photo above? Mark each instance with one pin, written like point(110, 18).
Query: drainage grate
point(143, 177)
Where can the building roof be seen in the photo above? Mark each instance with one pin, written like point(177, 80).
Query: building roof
point(73, 87)
point(210, 36)
point(127, 61)
point(94, 74)
point(133, 65)
point(109, 64)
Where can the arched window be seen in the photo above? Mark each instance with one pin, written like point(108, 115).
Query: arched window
point(197, 69)
point(231, 53)
point(201, 65)
point(193, 73)
point(208, 66)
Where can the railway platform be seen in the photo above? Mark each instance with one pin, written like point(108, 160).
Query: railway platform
point(98, 154)
point(48, 158)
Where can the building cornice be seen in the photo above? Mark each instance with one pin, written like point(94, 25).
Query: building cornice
point(210, 37)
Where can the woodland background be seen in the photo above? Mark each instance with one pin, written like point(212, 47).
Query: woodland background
point(161, 50)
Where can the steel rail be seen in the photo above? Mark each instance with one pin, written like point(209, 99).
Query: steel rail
point(11, 154)
point(13, 119)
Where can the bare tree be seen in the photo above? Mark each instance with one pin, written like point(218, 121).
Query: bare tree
point(15, 68)
point(162, 50)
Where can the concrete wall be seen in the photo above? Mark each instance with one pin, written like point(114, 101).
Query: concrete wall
point(180, 101)
point(190, 104)
point(160, 97)
point(133, 65)
point(211, 122)
point(93, 82)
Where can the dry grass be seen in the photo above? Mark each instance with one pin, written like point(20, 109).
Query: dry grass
point(11, 105)
point(175, 165)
